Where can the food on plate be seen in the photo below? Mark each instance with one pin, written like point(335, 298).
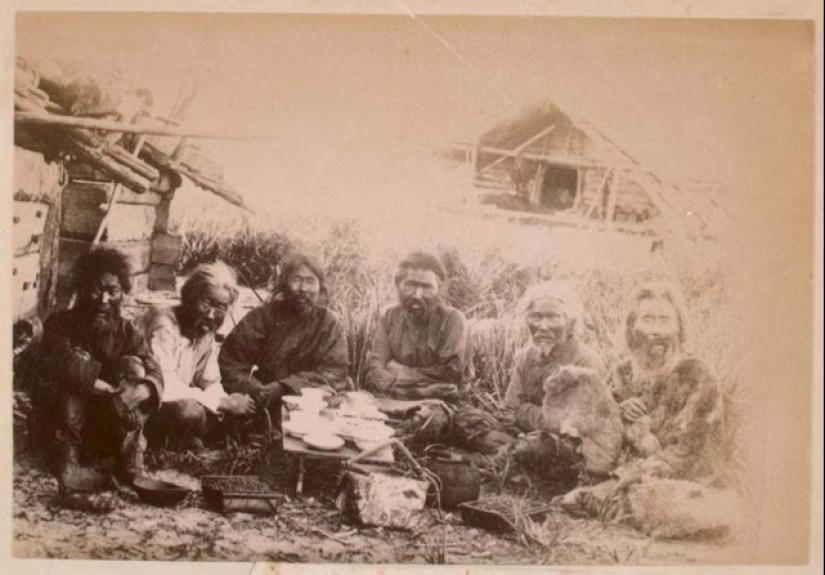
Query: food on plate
point(366, 412)
point(353, 429)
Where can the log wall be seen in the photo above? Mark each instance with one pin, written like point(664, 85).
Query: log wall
point(35, 234)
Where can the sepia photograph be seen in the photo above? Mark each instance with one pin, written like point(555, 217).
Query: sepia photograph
point(411, 288)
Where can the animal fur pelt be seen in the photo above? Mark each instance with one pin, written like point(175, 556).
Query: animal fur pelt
point(577, 402)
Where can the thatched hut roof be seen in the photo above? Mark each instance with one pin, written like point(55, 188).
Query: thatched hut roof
point(99, 117)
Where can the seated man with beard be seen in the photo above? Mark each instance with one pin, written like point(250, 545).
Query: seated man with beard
point(552, 315)
point(182, 340)
point(291, 342)
point(673, 407)
point(99, 381)
point(421, 351)
point(553, 318)
point(421, 348)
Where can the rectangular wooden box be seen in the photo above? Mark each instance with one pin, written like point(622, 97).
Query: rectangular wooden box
point(162, 277)
point(96, 193)
point(166, 249)
point(83, 213)
point(137, 253)
point(240, 500)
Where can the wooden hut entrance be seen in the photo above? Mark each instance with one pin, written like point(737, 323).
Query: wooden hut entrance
point(559, 187)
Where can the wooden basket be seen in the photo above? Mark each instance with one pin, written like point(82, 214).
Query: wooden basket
point(239, 498)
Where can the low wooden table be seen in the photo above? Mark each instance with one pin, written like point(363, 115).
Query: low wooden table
point(303, 451)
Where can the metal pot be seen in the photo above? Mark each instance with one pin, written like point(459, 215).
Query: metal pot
point(459, 479)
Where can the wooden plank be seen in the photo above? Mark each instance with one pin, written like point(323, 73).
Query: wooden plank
point(26, 285)
point(138, 253)
point(162, 212)
point(99, 192)
point(140, 283)
point(162, 277)
point(80, 170)
point(611, 199)
point(573, 161)
point(49, 247)
point(127, 222)
point(108, 164)
point(166, 249)
point(40, 118)
point(28, 222)
point(521, 147)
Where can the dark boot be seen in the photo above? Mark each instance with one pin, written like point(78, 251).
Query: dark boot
point(71, 476)
point(131, 456)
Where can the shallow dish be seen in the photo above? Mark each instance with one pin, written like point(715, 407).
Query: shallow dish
point(161, 493)
point(298, 428)
point(324, 441)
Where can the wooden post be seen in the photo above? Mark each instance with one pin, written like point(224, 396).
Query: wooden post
point(535, 189)
point(113, 199)
point(611, 199)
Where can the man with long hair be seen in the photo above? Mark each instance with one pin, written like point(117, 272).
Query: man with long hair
point(675, 481)
point(291, 342)
point(101, 381)
point(182, 340)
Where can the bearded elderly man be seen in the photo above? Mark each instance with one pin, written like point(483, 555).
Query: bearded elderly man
point(673, 408)
point(182, 340)
point(291, 342)
point(99, 381)
point(553, 317)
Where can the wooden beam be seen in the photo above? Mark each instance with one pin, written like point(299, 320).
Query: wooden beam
point(43, 119)
point(112, 167)
point(520, 148)
point(612, 198)
point(562, 160)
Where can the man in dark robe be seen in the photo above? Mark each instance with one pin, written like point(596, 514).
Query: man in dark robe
point(291, 342)
point(99, 382)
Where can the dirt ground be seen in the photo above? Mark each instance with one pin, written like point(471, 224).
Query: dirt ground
point(308, 530)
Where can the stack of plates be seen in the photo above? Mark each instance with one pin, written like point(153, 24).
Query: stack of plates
point(323, 441)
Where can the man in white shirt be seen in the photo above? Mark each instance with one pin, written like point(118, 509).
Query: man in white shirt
point(182, 341)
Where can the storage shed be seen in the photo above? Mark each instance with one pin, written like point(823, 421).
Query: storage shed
point(94, 165)
point(545, 160)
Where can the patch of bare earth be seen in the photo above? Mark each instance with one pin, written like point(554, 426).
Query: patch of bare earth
point(303, 530)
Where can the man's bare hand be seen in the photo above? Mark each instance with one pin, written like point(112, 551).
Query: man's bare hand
point(133, 393)
point(238, 404)
point(103, 388)
point(395, 367)
point(632, 409)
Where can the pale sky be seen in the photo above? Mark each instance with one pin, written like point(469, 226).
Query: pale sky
point(356, 103)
